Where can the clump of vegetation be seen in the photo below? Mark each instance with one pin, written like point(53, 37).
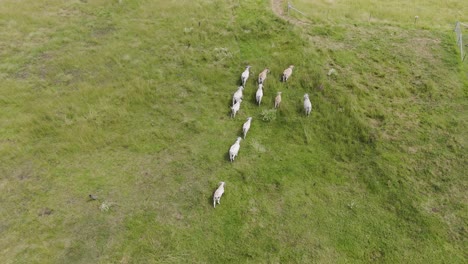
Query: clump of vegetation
point(268, 115)
point(106, 206)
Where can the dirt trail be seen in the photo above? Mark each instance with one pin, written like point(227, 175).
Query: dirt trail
point(278, 7)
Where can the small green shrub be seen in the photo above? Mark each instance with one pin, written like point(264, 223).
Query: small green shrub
point(268, 115)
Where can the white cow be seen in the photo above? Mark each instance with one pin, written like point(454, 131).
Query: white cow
point(287, 73)
point(307, 104)
point(245, 75)
point(259, 94)
point(234, 150)
point(246, 126)
point(218, 193)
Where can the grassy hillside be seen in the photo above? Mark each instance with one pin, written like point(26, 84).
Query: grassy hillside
point(129, 100)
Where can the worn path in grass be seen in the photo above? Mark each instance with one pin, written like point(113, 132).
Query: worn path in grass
point(278, 7)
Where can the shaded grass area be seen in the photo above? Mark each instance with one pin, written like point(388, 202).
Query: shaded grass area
point(131, 102)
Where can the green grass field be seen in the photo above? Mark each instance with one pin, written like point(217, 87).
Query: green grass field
point(129, 101)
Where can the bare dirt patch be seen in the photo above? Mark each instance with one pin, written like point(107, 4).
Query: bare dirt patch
point(277, 6)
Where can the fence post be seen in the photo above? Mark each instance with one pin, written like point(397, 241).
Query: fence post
point(459, 39)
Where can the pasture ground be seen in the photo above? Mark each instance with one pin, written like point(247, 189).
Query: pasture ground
point(129, 100)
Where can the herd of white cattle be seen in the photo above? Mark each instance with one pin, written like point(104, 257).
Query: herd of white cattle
point(236, 103)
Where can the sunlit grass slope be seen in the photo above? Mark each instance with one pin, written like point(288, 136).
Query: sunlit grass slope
point(129, 101)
